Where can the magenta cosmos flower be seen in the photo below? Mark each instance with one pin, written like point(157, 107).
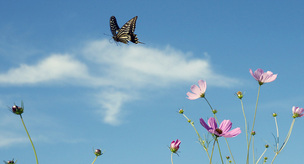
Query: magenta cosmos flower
point(263, 77)
point(174, 146)
point(223, 130)
point(297, 112)
point(198, 91)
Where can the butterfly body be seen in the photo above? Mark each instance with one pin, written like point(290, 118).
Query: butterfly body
point(125, 33)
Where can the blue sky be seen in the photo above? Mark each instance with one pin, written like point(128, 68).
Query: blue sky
point(83, 91)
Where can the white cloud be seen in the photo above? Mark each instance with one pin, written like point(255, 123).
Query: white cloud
point(54, 67)
point(142, 66)
point(123, 68)
point(9, 139)
point(112, 102)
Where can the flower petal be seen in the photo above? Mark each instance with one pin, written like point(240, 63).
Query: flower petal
point(294, 109)
point(203, 85)
point(212, 123)
point(192, 96)
point(258, 73)
point(177, 142)
point(225, 126)
point(232, 133)
point(195, 89)
point(203, 123)
point(268, 77)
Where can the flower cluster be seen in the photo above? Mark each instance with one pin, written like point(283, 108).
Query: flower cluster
point(224, 129)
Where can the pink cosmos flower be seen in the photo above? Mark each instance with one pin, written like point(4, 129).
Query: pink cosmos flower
point(174, 146)
point(223, 130)
point(263, 77)
point(198, 91)
point(297, 112)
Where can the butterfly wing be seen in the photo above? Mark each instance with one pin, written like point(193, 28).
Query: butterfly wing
point(113, 26)
point(133, 24)
point(133, 36)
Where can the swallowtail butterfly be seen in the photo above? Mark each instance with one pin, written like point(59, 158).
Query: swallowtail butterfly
point(126, 32)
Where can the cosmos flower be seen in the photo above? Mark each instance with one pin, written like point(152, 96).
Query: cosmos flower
point(174, 146)
point(198, 91)
point(223, 130)
point(297, 112)
point(263, 77)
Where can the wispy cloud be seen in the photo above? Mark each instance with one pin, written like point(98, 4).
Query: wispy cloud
point(117, 70)
point(7, 139)
point(53, 68)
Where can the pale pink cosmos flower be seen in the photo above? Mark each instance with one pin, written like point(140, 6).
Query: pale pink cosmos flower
point(198, 91)
point(174, 146)
point(297, 112)
point(263, 77)
point(223, 130)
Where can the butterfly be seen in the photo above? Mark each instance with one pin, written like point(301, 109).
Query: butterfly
point(126, 32)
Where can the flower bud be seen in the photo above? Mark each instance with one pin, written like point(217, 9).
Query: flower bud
point(174, 146)
point(274, 114)
point(181, 111)
point(297, 112)
point(227, 157)
point(253, 133)
point(10, 162)
point(239, 94)
point(266, 146)
point(214, 111)
point(17, 110)
point(98, 152)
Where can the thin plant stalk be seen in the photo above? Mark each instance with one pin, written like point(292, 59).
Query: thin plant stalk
point(261, 156)
point(94, 159)
point(172, 158)
point(218, 123)
point(277, 128)
point(212, 151)
point(256, 107)
point(218, 145)
point(246, 128)
point(30, 139)
point(199, 137)
point(285, 141)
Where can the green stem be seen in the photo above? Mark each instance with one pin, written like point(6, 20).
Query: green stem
point(94, 160)
point(285, 141)
point(229, 150)
point(208, 103)
point(261, 156)
point(277, 128)
point(30, 139)
point(172, 158)
point(218, 145)
point(274, 157)
point(246, 128)
point(212, 150)
point(256, 107)
point(288, 135)
point(199, 137)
